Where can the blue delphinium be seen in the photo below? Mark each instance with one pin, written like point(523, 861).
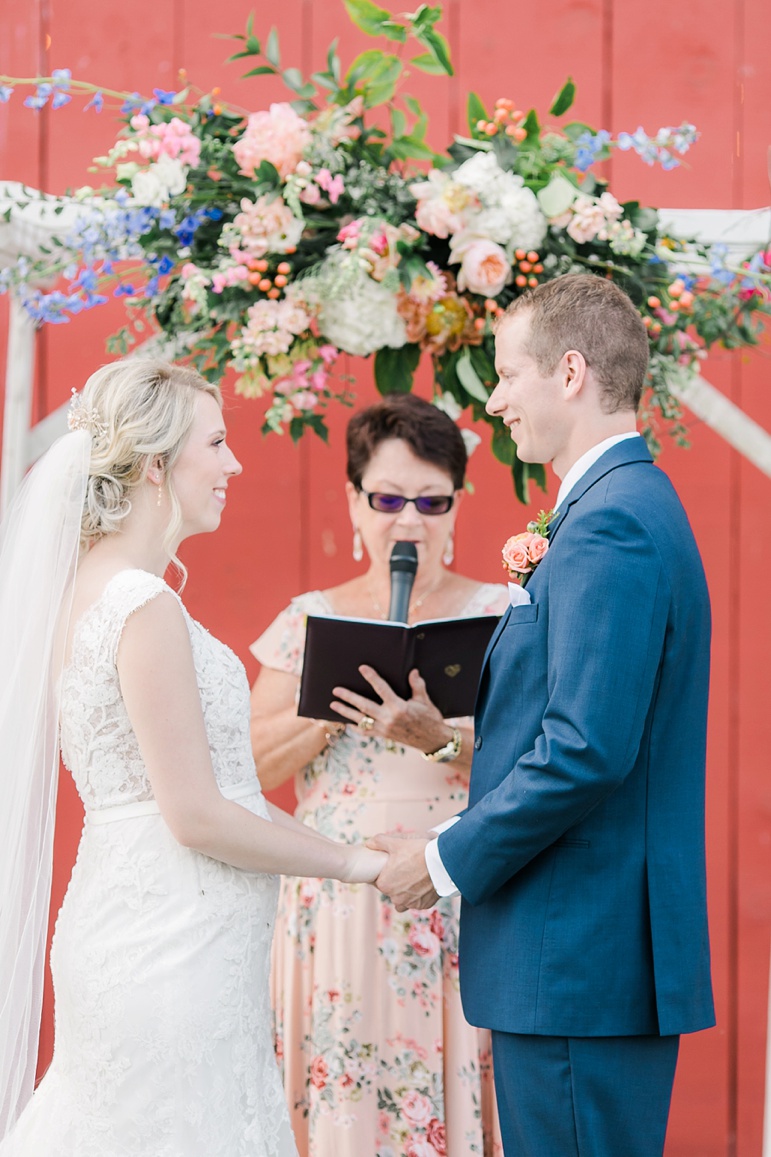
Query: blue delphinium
point(588, 147)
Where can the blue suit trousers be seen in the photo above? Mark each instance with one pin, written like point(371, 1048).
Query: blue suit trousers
point(583, 1096)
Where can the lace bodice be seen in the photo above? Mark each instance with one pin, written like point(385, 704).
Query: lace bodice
point(98, 743)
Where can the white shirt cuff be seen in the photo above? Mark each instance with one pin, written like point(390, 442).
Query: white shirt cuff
point(444, 885)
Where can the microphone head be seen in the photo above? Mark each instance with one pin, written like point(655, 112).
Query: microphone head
point(404, 557)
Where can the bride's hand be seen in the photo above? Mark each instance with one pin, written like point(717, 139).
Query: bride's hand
point(364, 865)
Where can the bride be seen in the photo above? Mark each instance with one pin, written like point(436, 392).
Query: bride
point(161, 954)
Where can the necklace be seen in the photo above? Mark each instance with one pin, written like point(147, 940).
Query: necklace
point(413, 605)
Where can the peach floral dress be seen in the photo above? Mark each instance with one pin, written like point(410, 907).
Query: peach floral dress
point(378, 1059)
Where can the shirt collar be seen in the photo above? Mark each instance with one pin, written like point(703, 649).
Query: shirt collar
point(579, 468)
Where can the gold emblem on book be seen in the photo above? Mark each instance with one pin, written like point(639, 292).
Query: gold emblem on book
point(452, 669)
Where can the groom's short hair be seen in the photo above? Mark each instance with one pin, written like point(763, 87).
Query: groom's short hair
point(584, 312)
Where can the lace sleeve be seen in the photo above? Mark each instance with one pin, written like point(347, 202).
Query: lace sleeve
point(129, 592)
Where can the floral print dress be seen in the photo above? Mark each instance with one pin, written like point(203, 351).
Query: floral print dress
point(378, 1059)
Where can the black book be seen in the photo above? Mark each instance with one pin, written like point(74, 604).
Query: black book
point(447, 652)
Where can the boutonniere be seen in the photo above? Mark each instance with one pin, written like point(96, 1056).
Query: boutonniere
point(523, 552)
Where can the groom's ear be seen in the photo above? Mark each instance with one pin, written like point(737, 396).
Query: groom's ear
point(574, 369)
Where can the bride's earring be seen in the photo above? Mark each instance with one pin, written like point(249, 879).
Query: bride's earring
point(449, 551)
point(358, 547)
point(160, 494)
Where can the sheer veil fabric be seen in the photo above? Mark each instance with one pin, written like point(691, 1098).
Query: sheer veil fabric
point(39, 544)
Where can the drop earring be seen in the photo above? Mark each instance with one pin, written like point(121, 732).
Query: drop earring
point(160, 494)
point(358, 548)
point(449, 551)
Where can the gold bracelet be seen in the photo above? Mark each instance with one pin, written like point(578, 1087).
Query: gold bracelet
point(450, 751)
point(332, 729)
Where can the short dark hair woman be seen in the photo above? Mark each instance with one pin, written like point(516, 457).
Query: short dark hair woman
point(376, 1051)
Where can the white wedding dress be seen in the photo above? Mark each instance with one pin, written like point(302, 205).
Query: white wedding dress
point(161, 956)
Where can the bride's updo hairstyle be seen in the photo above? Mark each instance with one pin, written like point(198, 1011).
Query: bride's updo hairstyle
point(140, 410)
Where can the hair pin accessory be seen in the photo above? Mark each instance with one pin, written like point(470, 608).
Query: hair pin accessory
point(82, 417)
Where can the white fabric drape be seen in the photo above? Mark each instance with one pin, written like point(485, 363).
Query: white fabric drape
point(39, 541)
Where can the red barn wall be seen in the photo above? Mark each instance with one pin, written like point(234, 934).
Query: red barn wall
point(286, 528)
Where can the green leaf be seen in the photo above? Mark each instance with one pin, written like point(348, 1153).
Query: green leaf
point(395, 369)
point(531, 125)
point(523, 474)
point(475, 111)
point(293, 79)
point(367, 16)
point(502, 446)
point(439, 49)
point(262, 70)
point(564, 99)
point(272, 50)
point(557, 197)
point(392, 30)
point(326, 80)
point(413, 105)
point(379, 72)
point(428, 63)
point(404, 148)
point(399, 122)
point(333, 60)
point(469, 378)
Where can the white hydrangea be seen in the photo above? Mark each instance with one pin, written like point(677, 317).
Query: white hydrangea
point(362, 317)
point(160, 181)
point(511, 215)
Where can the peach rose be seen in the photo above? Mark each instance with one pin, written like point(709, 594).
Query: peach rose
point(416, 1108)
point(484, 269)
point(516, 556)
point(537, 548)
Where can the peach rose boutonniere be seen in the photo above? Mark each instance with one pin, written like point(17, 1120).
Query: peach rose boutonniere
point(522, 552)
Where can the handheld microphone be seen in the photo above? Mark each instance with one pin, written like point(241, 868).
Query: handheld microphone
point(404, 565)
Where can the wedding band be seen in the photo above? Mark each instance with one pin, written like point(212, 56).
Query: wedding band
point(366, 723)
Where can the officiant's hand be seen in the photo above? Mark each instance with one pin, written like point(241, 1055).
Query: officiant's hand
point(405, 877)
point(413, 722)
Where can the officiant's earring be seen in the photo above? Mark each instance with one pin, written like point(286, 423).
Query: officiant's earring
point(449, 551)
point(358, 547)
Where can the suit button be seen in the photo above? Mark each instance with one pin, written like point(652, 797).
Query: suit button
point(478, 742)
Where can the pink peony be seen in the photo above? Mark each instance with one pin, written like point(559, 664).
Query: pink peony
point(267, 226)
point(484, 269)
point(436, 1134)
point(175, 138)
point(319, 1072)
point(441, 203)
point(416, 1108)
point(278, 135)
point(425, 942)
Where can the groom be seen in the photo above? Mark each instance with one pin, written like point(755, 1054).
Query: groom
point(580, 857)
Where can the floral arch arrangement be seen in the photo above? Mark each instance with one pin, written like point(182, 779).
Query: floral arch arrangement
point(272, 241)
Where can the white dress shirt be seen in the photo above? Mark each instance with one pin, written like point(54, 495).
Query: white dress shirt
point(440, 877)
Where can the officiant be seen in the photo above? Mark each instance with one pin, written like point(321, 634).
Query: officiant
point(364, 994)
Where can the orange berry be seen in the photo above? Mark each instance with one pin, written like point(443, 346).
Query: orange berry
point(481, 126)
point(265, 284)
point(519, 133)
point(520, 280)
point(182, 73)
point(491, 128)
point(291, 249)
point(517, 114)
point(504, 102)
point(499, 311)
point(491, 305)
point(674, 306)
point(255, 278)
point(511, 130)
point(686, 299)
point(217, 110)
point(538, 268)
point(274, 293)
point(656, 329)
point(284, 267)
point(532, 256)
point(500, 115)
point(479, 323)
point(520, 254)
point(654, 302)
point(262, 265)
point(532, 282)
point(525, 266)
point(647, 322)
point(216, 90)
point(279, 280)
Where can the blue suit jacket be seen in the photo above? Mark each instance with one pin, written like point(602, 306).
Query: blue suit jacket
point(580, 858)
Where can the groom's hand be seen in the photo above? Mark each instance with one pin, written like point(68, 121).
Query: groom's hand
point(405, 877)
